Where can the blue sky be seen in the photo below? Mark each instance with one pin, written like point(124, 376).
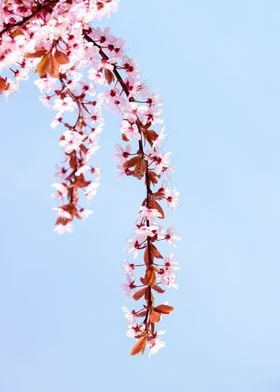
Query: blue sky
point(216, 65)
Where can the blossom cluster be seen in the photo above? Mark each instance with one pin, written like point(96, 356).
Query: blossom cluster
point(81, 69)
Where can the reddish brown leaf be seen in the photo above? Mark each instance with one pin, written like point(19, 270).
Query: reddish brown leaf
point(153, 177)
point(43, 67)
point(142, 280)
point(16, 32)
point(159, 195)
point(139, 165)
point(139, 294)
point(139, 346)
point(158, 289)
point(83, 148)
point(109, 76)
point(38, 53)
point(155, 252)
point(53, 67)
point(155, 205)
point(125, 138)
point(48, 66)
point(150, 136)
point(73, 161)
point(164, 309)
point(130, 162)
point(4, 85)
point(141, 314)
point(61, 57)
point(81, 182)
point(154, 317)
point(71, 209)
point(62, 221)
point(140, 168)
point(147, 257)
point(150, 277)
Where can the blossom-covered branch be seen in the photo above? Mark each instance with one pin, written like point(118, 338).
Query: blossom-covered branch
point(140, 112)
point(81, 68)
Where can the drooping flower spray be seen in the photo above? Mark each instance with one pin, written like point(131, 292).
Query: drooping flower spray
point(81, 69)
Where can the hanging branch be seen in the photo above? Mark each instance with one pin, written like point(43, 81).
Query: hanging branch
point(81, 69)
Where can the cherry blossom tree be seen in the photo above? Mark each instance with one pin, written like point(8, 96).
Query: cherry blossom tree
point(81, 69)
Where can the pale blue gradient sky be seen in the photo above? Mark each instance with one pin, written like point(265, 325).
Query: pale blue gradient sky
point(217, 66)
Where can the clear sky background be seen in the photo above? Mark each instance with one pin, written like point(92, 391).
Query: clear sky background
point(217, 67)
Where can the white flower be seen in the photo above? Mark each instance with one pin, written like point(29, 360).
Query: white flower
point(129, 315)
point(85, 213)
point(64, 104)
point(56, 121)
point(167, 272)
point(171, 236)
point(91, 151)
point(170, 263)
point(62, 213)
point(122, 153)
point(46, 85)
point(146, 231)
point(91, 190)
point(133, 247)
point(128, 268)
point(172, 196)
point(129, 287)
point(82, 170)
point(155, 345)
point(149, 213)
point(130, 130)
point(61, 190)
point(71, 141)
point(61, 229)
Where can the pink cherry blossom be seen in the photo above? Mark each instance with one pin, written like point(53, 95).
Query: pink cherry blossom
point(61, 191)
point(171, 236)
point(84, 213)
point(61, 229)
point(122, 153)
point(143, 232)
point(155, 345)
point(71, 141)
point(129, 286)
point(128, 268)
point(148, 213)
point(172, 196)
point(81, 70)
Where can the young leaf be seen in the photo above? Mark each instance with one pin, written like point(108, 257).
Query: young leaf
point(150, 277)
point(109, 76)
point(130, 162)
point(153, 177)
point(155, 252)
point(154, 204)
point(150, 136)
point(139, 346)
point(154, 317)
point(43, 67)
point(158, 289)
point(61, 57)
point(3, 84)
point(139, 294)
point(164, 309)
point(81, 182)
point(38, 53)
point(140, 168)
